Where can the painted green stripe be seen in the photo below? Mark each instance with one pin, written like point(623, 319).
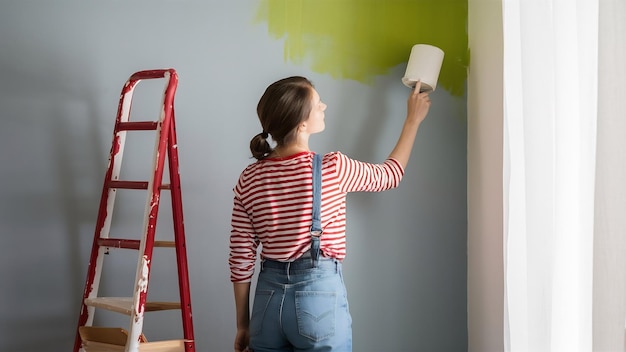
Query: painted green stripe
point(360, 39)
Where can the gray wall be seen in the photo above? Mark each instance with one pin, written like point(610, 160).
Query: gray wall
point(62, 66)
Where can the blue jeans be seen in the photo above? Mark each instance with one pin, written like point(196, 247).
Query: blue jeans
point(299, 307)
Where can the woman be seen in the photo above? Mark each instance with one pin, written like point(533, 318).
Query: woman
point(300, 302)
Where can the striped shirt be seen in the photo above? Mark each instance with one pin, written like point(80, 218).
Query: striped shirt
point(273, 205)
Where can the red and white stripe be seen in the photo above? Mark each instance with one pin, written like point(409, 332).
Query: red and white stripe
point(273, 205)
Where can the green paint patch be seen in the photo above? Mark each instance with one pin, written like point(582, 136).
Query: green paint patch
point(360, 39)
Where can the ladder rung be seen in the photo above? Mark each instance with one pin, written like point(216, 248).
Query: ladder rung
point(158, 346)
point(106, 335)
point(134, 185)
point(165, 346)
point(124, 305)
point(137, 126)
point(105, 339)
point(130, 244)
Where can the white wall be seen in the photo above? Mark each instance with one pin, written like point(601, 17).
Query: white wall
point(62, 66)
point(484, 172)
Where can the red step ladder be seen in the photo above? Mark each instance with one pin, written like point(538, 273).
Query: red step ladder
point(88, 337)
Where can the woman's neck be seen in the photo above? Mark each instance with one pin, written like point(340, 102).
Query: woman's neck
point(288, 150)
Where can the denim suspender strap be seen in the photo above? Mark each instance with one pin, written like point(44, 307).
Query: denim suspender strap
point(316, 226)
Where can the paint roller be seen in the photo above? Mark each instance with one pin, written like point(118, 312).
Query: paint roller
point(424, 65)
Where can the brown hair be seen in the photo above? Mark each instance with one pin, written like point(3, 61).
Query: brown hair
point(283, 106)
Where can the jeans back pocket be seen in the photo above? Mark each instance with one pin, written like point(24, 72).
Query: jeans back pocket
point(315, 312)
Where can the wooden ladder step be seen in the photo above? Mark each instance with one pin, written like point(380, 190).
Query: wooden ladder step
point(118, 184)
point(105, 339)
point(158, 346)
point(137, 126)
point(130, 244)
point(124, 305)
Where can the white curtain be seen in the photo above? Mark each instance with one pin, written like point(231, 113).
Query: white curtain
point(564, 133)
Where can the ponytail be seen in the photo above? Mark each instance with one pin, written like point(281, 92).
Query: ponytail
point(259, 146)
